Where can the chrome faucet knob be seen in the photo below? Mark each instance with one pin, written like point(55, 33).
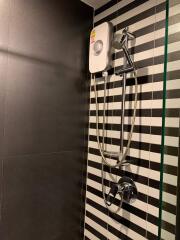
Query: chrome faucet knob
point(126, 188)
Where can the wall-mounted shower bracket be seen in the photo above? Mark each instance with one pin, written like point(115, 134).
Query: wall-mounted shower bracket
point(121, 41)
point(124, 70)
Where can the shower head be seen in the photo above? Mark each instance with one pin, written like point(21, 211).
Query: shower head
point(119, 41)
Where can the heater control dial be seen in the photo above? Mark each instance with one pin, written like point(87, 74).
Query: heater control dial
point(98, 47)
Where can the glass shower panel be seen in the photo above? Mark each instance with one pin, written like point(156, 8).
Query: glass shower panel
point(170, 155)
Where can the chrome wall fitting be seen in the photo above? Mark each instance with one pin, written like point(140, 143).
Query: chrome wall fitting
point(126, 188)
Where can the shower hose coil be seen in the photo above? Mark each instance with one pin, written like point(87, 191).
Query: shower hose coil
point(122, 157)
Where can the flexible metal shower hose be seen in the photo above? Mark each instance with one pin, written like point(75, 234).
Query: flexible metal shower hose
point(101, 147)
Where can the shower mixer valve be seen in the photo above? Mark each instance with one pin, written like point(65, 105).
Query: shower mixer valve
point(126, 188)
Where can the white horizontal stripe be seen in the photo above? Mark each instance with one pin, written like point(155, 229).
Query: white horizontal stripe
point(169, 217)
point(145, 104)
point(170, 179)
point(139, 137)
point(172, 122)
point(174, 10)
point(175, 28)
point(152, 228)
point(173, 84)
point(142, 121)
point(173, 103)
point(173, 66)
point(165, 235)
point(171, 141)
point(169, 198)
point(171, 160)
point(142, 88)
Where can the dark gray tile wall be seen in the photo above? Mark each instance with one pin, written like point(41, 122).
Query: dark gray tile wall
point(43, 111)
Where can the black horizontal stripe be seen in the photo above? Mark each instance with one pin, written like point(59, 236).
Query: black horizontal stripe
point(139, 145)
point(169, 188)
point(169, 150)
point(127, 128)
point(151, 236)
point(121, 11)
point(173, 113)
point(95, 232)
point(155, 95)
point(134, 144)
point(168, 227)
point(169, 207)
point(171, 75)
point(129, 97)
point(86, 238)
point(96, 219)
point(106, 6)
point(129, 82)
point(129, 113)
point(172, 170)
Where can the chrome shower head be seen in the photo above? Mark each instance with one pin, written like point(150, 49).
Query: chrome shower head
point(119, 41)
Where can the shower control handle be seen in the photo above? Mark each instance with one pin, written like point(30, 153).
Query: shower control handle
point(115, 188)
point(126, 188)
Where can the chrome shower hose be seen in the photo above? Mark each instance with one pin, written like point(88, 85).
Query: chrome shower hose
point(101, 147)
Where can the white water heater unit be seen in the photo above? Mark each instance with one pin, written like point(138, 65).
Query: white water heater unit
point(100, 48)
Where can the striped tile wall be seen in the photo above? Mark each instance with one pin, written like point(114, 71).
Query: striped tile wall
point(138, 221)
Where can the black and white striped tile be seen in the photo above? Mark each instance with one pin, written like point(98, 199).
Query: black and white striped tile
point(146, 19)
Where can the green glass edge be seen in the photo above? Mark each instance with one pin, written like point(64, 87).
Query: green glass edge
point(163, 120)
